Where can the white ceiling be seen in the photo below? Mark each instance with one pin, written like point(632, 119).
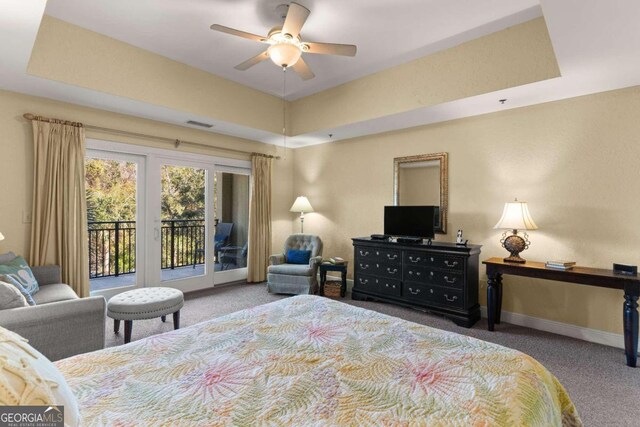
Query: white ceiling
point(387, 33)
point(596, 45)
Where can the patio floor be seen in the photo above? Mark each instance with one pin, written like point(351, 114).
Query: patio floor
point(102, 283)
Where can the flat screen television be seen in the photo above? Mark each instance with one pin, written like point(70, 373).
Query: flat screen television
point(409, 221)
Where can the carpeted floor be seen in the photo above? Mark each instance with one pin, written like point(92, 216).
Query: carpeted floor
point(605, 391)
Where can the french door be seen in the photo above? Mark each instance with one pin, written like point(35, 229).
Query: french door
point(191, 218)
point(116, 220)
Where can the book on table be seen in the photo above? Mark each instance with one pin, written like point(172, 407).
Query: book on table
point(560, 265)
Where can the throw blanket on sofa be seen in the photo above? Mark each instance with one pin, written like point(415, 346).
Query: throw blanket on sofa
point(312, 361)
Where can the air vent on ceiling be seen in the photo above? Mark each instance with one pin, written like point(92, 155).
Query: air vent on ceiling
point(203, 125)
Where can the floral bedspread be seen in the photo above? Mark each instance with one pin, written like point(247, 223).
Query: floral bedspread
point(311, 361)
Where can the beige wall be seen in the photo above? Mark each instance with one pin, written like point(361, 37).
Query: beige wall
point(16, 156)
point(575, 162)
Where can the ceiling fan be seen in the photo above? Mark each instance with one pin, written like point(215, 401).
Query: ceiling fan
point(286, 46)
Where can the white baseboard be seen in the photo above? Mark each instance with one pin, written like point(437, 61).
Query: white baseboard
point(566, 329)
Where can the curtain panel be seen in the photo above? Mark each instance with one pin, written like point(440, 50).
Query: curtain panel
point(59, 227)
point(259, 219)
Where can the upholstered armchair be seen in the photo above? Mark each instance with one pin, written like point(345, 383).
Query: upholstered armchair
point(295, 279)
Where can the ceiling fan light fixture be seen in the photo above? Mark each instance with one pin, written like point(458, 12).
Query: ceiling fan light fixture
point(284, 54)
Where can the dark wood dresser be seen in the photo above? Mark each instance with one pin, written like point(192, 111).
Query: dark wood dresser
point(441, 278)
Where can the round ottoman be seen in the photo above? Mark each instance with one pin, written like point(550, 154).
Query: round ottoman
point(144, 303)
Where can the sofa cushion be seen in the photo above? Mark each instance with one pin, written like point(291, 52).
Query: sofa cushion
point(12, 281)
point(29, 378)
point(5, 258)
point(291, 269)
point(19, 270)
point(53, 293)
point(11, 297)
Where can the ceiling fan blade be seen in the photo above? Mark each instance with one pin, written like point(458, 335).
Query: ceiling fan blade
point(253, 61)
point(331, 49)
point(296, 17)
point(302, 69)
point(238, 33)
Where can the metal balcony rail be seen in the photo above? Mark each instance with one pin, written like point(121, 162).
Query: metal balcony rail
point(112, 246)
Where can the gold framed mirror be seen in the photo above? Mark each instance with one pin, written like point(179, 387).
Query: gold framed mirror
point(422, 180)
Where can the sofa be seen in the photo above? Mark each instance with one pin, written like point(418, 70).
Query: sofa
point(295, 279)
point(60, 324)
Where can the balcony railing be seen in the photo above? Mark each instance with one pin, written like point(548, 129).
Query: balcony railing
point(112, 246)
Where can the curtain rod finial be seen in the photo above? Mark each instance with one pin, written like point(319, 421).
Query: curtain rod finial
point(28, 116)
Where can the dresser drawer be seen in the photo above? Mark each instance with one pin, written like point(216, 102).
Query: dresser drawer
point(365, 283)
point(431, 276)
point(445, 297)
point(389, 287)
point(378, 285)
point(376, 268)
point(423, 259)
point(366, 254)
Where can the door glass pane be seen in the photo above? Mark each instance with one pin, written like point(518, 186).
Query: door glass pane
point(183, 222)
point(232, 214)
point(111, 215)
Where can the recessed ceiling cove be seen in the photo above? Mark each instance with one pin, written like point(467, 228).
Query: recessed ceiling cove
point(386, 33)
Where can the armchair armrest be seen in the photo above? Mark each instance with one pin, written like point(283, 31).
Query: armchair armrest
point(315, 261)
point(277, 259)
point(60, 329)
point(47, 274)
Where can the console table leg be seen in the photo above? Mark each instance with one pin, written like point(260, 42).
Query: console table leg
point(498, 297)
point(492, 297)
point(630, 319)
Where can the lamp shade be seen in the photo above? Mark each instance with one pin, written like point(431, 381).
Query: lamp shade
point(516, 216)
point(284, 54)
point(1, 236)
point(301, 205)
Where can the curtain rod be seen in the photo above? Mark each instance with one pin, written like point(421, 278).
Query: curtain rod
point(177, 142)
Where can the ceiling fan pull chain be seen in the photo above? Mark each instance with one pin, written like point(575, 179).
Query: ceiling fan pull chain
point(284, 109)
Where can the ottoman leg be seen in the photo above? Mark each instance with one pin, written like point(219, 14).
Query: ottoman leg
point(116, 326)
point(128, 326)
point(176, 320)
point(163, 318)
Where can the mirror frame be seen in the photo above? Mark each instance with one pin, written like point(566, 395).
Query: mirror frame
point(444, 182)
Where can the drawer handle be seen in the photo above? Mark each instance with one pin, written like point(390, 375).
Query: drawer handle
point(392, 257)
point(411, 273)
point(452, 264)
point(412, 259)
point(416, 292)
point(364, 281)
point(364, 253)
point(453, 298)
point(431, 290)
point(364, 266)
point(446, 279)
point(432, 259)
point(387, 285)
point(394, 271)
point(377, 253)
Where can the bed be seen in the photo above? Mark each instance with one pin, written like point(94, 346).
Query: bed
point(312, 361)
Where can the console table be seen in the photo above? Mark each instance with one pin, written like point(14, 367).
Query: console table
point(496, 267)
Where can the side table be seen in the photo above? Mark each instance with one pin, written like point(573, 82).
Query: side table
point(334, 267)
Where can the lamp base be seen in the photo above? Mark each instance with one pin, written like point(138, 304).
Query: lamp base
point(515, 258)
point(515, 244)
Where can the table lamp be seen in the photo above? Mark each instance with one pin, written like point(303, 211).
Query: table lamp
point(301, 205)
point(1, 236)
point(515, 217)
